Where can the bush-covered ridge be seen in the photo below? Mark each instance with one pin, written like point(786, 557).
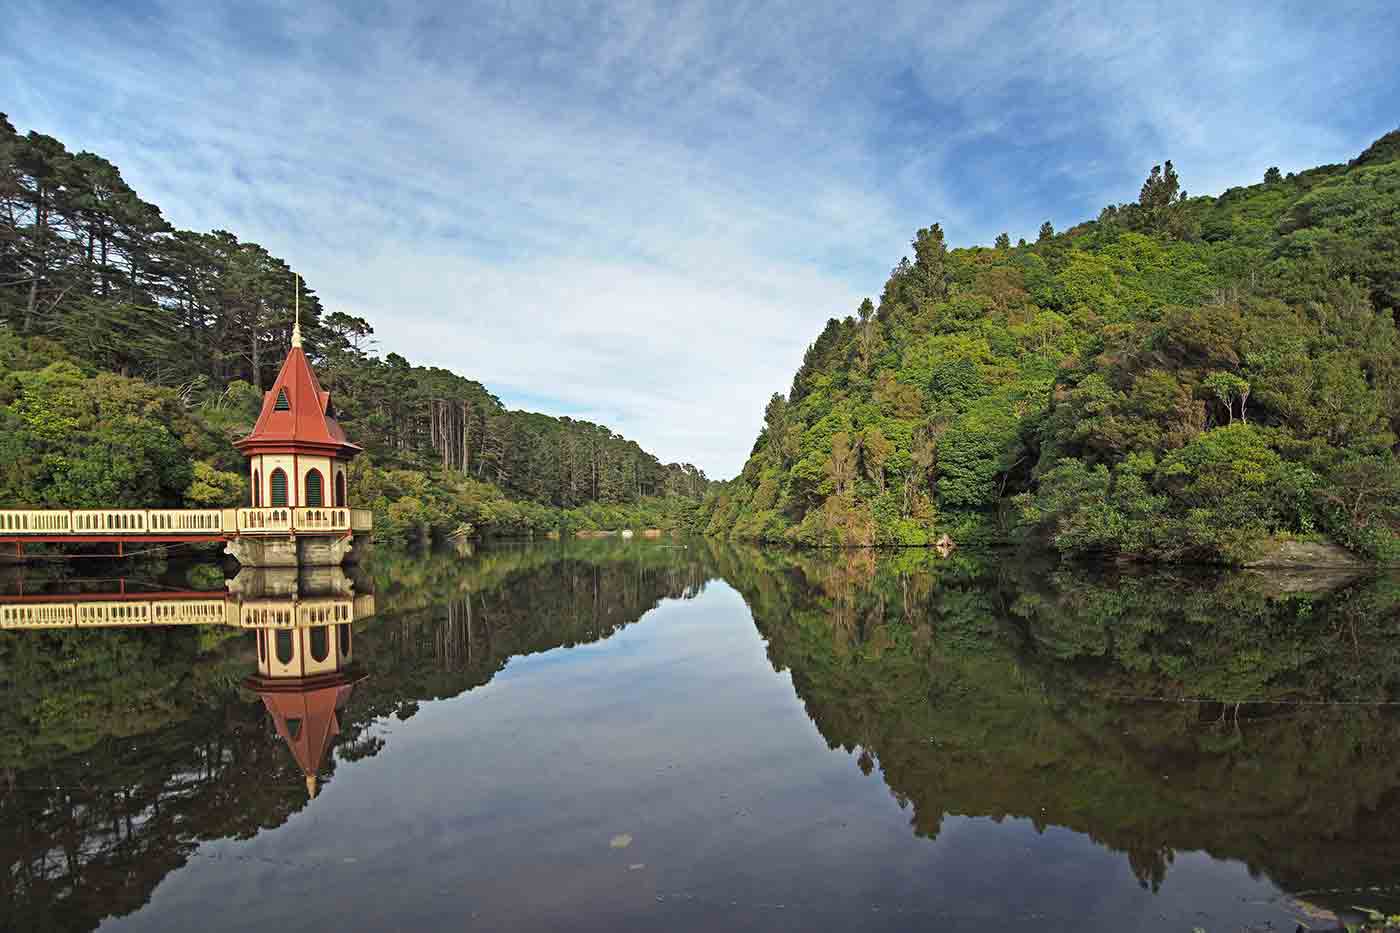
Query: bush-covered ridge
point(1179, 379)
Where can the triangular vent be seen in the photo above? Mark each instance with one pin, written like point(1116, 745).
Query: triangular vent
point(282, 403)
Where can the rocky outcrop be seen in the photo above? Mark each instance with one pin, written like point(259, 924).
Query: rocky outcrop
point(1289, 554)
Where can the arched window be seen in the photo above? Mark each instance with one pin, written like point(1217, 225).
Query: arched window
point(284, 646)
point(282, 403)
point(340, 489)
point(343, 632)
point(315, 485)
point(320, 643)
point(278, 482)
point(262, 645)
point(257, 489)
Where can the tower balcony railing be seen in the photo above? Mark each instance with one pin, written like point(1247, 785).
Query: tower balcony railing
point(312, 519)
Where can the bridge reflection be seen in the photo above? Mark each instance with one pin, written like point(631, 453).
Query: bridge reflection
point(303, 622)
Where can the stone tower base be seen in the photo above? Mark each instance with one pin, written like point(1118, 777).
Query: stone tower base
point(305, 551)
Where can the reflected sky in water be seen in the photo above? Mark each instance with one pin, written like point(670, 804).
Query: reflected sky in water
point(659, 772)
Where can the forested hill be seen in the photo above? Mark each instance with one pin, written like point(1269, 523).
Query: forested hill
point(1182, 378)
point(131, 353)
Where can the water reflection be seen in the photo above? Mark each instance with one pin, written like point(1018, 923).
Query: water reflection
point(1143, 718)
point(1154, 712)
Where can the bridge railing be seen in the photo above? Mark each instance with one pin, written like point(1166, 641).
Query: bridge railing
point(194, 521)
point(182, 522)
point(37, 616)
point(125, 612)
point(35, 521)
point(108, 521)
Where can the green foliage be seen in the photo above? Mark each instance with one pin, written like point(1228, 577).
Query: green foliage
point(213, 488)
point(1182, 378)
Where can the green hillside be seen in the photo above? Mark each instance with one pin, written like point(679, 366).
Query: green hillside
point(1180, 379)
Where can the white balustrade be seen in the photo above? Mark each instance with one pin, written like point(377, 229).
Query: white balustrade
point(318, 519)
point(268, 613)
point(107, 523)
point(263, 521)
point(185, 521)
point(41, 615)
point(325, 611)
point(190, 612)
point(115, 613)
point(34, 521)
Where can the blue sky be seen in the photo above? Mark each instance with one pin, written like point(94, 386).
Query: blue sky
point(642, 213)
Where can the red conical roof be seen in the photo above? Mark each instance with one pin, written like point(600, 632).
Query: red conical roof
point(305, 423)
point(305, 713)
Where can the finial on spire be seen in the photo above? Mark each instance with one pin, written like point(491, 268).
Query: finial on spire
point(311, 786)
point(296, 324)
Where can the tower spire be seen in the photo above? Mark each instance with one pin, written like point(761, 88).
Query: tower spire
point(296, 325)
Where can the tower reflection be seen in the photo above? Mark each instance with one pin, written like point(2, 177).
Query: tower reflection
point(306, 671)
point(303, 622)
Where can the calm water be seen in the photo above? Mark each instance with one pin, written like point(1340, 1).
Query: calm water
point(618, 736)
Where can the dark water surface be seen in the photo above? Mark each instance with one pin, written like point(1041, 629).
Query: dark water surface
point(636, 736)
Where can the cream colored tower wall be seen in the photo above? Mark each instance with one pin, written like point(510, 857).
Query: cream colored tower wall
point(339, 470)
point(277, 663)
point(260, 469)
point(267, 463)
point(330, 663)
point(306, 463)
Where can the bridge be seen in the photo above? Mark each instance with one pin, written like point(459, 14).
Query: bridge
point(167, 526)
point(298, 514)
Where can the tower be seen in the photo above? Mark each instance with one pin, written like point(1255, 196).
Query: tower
point(297, 452)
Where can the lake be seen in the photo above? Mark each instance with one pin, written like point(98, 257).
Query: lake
point(680, 735)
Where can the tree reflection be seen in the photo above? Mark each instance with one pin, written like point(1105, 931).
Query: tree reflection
point(1154, 713)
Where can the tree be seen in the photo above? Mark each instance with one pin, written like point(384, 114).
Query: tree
point(841, 465)
point(875, 451)
point(1161, 202)
point(1047, 230)
point(1272, 176)
point(1003, 241)
point(930, 271)
point(869, 334)
point(1229, 389)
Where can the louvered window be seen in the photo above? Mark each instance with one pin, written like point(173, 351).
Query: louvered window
point(315, 497)
point(320, 643)
point(278, 481)
point(283, 640)
point(282, 403)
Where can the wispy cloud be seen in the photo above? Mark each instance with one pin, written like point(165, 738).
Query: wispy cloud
point(643, 212)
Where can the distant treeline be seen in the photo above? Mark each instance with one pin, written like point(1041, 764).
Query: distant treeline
point(92, 274)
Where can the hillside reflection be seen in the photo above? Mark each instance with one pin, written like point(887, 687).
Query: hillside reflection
point(1248, 717)
point(1153, 712)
